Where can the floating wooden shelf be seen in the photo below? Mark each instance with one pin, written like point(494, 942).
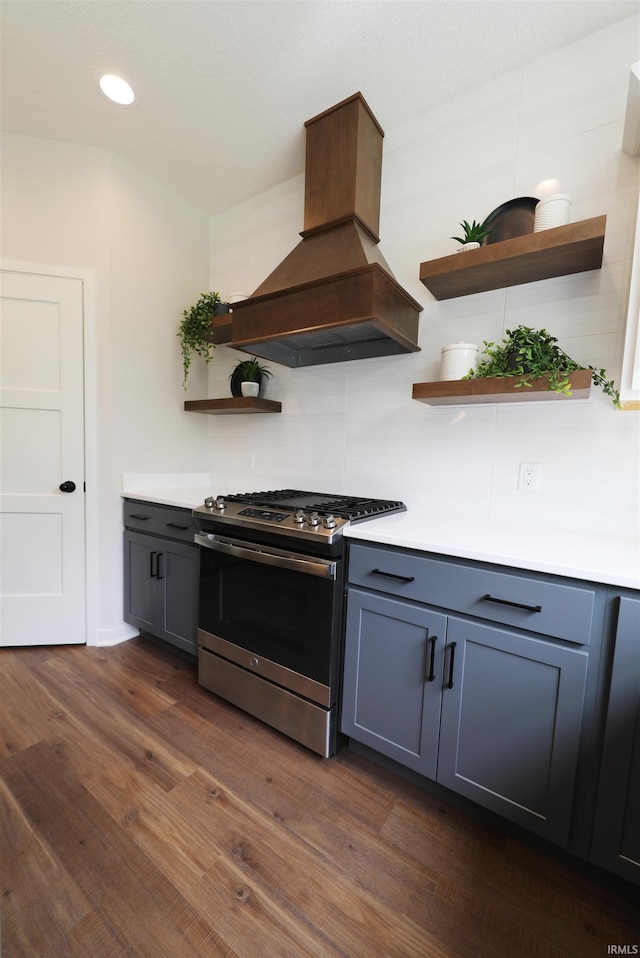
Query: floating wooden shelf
point(232, 406)
point(220, 329)
point(460, 392)
point(573, 248)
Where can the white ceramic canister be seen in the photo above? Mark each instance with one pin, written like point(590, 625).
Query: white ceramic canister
point(457, 359)
point(237, 298)
point(552, 211)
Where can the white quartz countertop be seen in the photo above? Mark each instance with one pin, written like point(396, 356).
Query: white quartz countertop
point(185, 490)
point(183, 498)
point(578, 555)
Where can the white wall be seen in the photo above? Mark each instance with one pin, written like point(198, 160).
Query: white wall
point(353, 427)
point(80, 207)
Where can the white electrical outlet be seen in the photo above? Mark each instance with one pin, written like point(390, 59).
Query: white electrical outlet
point(529, 477)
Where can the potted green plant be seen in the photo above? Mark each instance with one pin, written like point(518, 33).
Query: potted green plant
point(472, 235)
point(248, 371)
point(534, 354)
point(195, 330)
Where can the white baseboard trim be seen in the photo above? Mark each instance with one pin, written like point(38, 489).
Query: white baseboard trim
point(121, 633)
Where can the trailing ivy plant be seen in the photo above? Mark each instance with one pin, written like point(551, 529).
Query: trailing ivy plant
point(195, 331)
point(535, 354)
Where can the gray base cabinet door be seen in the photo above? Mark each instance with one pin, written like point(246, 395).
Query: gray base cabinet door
point(178, 611)
point(140, 586)
point(393, 678)
point(511, 720)
point(616, 841)
point(161, 588)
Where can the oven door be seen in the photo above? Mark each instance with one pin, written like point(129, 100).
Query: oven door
point(272, 611)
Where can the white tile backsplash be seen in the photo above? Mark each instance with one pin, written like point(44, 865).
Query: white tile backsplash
point(578, 88)
point(353, 427)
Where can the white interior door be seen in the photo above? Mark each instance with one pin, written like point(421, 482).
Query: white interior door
point(42, 529)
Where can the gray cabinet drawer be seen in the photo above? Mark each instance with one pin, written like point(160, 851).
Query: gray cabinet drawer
point(156, 519)
point(529, 601)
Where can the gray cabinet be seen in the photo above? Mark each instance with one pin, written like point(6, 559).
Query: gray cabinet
point(491, 711)
point(392, 688)
point(616, 839)
point(511, 721)
point(140, 583)
point(561, 608)
point(161, 567)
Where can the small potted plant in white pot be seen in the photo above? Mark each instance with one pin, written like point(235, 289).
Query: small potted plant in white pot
point(472, 236)
point(247, 376)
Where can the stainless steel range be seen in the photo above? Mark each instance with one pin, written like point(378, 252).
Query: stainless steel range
point(271, 605)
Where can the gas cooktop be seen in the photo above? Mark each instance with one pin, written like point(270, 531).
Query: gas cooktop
point(312, 515)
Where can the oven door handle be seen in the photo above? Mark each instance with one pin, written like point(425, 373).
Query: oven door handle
point(274, 557)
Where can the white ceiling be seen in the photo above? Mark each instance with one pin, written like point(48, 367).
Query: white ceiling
point(224, 86)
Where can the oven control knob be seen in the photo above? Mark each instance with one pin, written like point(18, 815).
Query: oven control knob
point(220, 503)
point(209, 501)
point(329, 522)
point(299, 516)
point(313, 519)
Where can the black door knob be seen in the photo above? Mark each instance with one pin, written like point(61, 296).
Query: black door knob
point(67, 486)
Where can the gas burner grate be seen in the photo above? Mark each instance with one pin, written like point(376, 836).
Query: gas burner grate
point(353, 508)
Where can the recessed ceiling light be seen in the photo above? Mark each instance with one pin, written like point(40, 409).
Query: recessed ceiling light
point(546, 187)
point(116, 89)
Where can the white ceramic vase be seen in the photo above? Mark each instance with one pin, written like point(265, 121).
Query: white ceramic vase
point(552, 211)
point(457, 359)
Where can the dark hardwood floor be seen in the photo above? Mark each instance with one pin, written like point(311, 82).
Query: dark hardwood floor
point(142, 816)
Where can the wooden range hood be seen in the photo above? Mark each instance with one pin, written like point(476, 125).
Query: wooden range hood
point(333, 298)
